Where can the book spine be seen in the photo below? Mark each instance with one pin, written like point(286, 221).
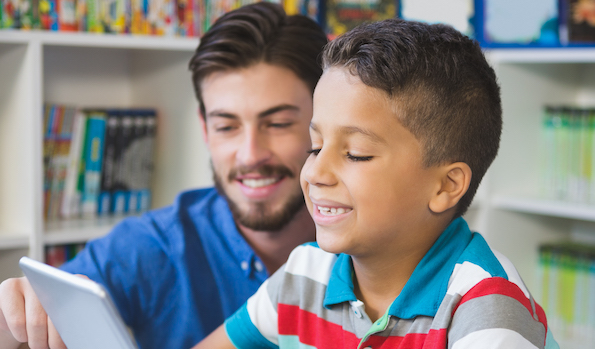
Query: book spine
point(121, 192)
point(93, 162)
point(108, 170)
point(71, 200)
point(144, 200)
point(67, 19)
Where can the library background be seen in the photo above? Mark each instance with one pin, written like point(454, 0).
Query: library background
point(98, 120)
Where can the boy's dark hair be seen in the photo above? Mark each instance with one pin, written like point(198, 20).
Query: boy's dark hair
point(256, 33)
point(444, 90)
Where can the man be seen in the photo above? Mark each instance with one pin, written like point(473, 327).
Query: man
point(176, 273)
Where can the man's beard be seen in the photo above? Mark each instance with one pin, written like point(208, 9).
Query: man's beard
point(259, 216)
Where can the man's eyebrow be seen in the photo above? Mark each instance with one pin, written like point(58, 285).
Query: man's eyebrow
point(277, 109)
point(221, 114)
point(263, 114)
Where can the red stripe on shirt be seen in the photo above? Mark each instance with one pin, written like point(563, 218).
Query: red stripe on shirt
point(320, 333)
point(501, 286)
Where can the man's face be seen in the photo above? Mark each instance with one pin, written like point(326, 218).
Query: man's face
point(256, 128)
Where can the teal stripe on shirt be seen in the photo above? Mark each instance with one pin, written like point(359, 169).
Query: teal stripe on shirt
point(243, 334)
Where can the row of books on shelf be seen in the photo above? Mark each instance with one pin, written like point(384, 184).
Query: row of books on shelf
point(566, 274)
point(56, 255)
point(149, 17)
point(97, 161)
point(568, 153)
point(494, 23)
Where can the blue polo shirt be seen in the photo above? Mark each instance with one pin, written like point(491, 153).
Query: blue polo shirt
point(175, 273)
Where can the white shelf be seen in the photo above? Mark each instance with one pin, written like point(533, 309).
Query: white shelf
point(77, 230)
point(546, 207)
point(542, 55)
point(81, 39)
point(9, 240)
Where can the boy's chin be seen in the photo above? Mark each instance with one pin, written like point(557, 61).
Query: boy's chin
point(329, 243)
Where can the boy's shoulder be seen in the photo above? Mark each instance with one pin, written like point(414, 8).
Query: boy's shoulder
point(480, 264)
point(311, 261)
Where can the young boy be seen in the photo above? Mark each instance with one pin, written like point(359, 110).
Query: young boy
point(407, 119)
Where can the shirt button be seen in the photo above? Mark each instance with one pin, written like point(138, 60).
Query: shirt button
point(258, 266)
point(244, 265)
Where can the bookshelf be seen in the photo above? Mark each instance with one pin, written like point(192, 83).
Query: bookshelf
point(128, 71)
point(512, 215)
point(88, 70)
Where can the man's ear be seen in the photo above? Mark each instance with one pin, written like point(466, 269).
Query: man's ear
point(454, 182)
point(203, 125)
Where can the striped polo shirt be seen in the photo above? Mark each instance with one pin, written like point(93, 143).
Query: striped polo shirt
point(462, 294)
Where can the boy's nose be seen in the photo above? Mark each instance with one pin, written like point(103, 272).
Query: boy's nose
point(318, 171)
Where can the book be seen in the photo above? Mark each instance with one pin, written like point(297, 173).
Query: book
point(108, 170)
point(578, 21)
point(67, 19)
point(72, 193)
point(517, 23)
point(59, 160)
point(93, 155)
point(121, 188)
point(343, 15)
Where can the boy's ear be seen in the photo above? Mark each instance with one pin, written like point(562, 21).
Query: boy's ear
point(455, 179)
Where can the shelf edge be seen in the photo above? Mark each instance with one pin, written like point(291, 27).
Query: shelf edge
point(83, 39)
point(546, 207)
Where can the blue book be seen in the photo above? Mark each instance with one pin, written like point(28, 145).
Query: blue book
point(93, 155)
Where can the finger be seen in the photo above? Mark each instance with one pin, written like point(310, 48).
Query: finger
point(54, 338)
point(37, 325)
point(12, 305)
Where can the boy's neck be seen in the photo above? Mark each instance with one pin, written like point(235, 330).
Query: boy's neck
point(379, 279)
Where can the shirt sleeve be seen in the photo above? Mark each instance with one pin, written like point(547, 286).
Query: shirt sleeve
point(119, 260)
point(255, 324)
point(495, 313)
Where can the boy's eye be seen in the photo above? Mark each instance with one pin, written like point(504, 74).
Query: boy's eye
point(314, 151)
point(359, 158)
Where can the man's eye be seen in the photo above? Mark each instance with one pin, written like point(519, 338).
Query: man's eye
point(359, 158)
point(314, 151)
point(280, 124)
point(224, 128)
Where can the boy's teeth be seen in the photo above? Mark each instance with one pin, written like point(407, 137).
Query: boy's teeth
point(332, 211)
point(257, 183)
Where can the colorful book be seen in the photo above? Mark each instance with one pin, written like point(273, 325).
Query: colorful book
point(71, 198)
point(343, 15)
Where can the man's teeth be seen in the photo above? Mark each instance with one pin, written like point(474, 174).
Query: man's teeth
point(257, 183)
point(332, 211)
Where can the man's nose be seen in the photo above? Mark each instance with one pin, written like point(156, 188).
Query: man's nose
point(254, 149)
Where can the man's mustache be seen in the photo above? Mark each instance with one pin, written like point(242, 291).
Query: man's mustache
point(263, 170)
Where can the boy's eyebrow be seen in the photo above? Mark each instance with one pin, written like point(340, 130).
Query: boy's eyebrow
point(348, 130)
point(262, 114)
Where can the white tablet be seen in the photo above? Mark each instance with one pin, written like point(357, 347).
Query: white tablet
point(82, 310)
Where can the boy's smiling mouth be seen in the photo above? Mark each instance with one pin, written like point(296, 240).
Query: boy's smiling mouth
point(332, 211)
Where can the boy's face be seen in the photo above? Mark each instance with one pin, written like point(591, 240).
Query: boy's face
point(257, 133)
point(364, 183)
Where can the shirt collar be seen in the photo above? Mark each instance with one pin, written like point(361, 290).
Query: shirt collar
point(426, 287)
